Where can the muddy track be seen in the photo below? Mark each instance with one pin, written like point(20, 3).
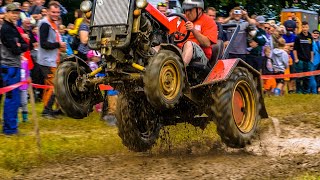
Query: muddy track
point(285, 148)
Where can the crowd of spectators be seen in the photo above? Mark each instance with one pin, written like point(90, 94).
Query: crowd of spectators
point(274, 48)
point(36, 40)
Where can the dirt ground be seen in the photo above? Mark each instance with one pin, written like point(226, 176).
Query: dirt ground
point(286, 148)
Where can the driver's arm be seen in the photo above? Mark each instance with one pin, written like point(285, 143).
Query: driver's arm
point(203, 40)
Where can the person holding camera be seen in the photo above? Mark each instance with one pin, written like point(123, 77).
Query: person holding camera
point(239, 46)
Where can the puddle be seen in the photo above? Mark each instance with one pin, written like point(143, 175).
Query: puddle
point(275, 143)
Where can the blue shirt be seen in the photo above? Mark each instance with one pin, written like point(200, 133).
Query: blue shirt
point(83, 48)
point(290, 39)
point(316, 51)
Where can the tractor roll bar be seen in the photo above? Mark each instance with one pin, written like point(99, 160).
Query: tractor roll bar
point(233, 37)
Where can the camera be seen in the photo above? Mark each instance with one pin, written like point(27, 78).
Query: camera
point(237, 12)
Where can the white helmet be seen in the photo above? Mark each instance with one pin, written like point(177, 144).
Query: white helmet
point(189, 4)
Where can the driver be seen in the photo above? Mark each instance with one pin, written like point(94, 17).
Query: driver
point(198, 46)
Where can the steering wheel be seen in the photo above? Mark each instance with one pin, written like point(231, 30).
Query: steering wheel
point(186, 36)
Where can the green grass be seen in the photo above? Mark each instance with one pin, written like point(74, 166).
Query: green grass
point(307, 176)
point(60, 139)
point(68, 138)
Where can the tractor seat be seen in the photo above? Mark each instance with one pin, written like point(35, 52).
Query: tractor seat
point(217, 52)
point(199, 66)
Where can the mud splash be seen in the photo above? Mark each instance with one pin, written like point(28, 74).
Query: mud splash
point(280, 140)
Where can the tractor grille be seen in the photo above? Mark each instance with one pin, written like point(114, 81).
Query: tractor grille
point(111, 12)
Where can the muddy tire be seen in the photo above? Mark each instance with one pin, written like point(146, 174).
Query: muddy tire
point(164, 80)
point(236, 108)
point(138, 125)
point(73, 103)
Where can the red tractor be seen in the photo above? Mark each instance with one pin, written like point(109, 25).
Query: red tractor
point(156, 89)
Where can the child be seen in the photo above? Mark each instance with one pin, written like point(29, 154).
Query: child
point(66, 38)
point(93, 59)
point(111, 95)
point(289, 83)
point(280, 63)
point(25, 75)
point(267, 69)
point(254, 56)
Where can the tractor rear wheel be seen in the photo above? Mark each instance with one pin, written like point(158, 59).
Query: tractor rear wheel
point(74, 103)
point(236, 108)
point(138, 124)
point(164, 80)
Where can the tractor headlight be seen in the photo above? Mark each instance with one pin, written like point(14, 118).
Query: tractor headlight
point(141, 4)
point(86, 6)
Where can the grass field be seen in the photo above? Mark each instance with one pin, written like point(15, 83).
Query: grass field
point(67, 138)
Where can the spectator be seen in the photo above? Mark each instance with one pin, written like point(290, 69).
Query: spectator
point(2, 9)
point(212, 12)
point(79, 18)
point(35, 31)
point(239, 46)
point(93, 59)
point(267, 69)
point(63, 10)
point(254, 58)
point(293, 17)
point(280, 64)
point(84, 37)
point(44, 12)
point(162, 7)
point(74, 30)
point(12, 47)
point(26, 29)
point(316, 61)
point(290, 37)
point(25, 13)
point(288, 81)
point(36, 77)
point(203, 33)
point(303, 54)
point(66, 38)
point(220, 19)
point(48, 54)
point(1, 17)
point(35, 10)
point(25, 76)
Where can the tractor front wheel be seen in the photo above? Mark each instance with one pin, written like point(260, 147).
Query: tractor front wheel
point(164, 80)
point(74, 103)
point(236, 108)
point(138, 124)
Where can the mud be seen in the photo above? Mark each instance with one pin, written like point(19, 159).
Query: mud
point(286, 148)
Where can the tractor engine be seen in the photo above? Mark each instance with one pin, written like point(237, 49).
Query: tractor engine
point(151, 35)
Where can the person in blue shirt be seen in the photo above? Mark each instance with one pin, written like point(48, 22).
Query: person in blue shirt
point(289, 36)
point(315, 82)
point(66, 38)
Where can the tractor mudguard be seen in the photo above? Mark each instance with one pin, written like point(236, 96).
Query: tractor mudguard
point(171, 48)
point(81, 62)
point(222, 71)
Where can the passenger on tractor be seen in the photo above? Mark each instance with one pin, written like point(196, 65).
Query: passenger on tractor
point(203, 34)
